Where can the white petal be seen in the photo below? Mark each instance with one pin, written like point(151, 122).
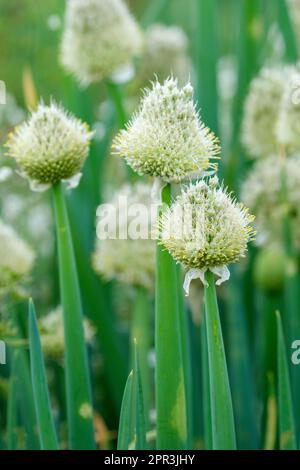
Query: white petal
point(123, 74)
point(74, 181)
point(223, 273)
point(38, 187)
point(194, 274)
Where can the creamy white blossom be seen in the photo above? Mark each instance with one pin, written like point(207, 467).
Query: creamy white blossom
point(16, 257)
point(51, 329)
point(100, 37)
point(206, 229)
point(262, 192)
point(50, 146)
point(165, 53)
point(261, 111)
point(167, 138)
point(288, 127)
point(131, 261)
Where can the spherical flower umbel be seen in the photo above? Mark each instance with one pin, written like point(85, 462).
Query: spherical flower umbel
point(50, 146)
point(16, 257)
point(130, 260)
point(261, 112)
point(164, 53)
point(206, 229)
point(100, 37)
point(167, 138)
point(262, 192)
point(288, 127)
point(52, 333)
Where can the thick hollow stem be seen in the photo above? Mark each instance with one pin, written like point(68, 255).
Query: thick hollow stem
point(223, 429)
point(79, 405)
point(170, 386)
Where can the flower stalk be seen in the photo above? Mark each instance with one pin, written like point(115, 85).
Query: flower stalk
point(79, 403)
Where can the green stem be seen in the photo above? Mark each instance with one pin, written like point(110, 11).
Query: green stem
point(205, 388)
point(170, 387)
point(186, 355)
point(79, 404)
point(223, 429)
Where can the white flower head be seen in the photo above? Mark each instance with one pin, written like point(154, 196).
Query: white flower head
point(167, 138)
point(129, 260)
point(261, 111)
point(51, 329)
point(100, 37)
point(262, 192)
point(51, 146)
point(288, 123)
point(16, 257)
point(206, 229)
point(165, 52)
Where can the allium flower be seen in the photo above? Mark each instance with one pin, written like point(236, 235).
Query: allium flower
point(16, 257)
point(165, 53)
point(167, 138)
point(50, 147)
point(52, 333)
point(288, 123)
point(131, 261)
point(262, 192)
point(259, 127)
point(100, 37)
point(206, 229)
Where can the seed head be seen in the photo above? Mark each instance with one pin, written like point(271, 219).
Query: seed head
point(206, 228)
point(131, 261)
point(167, 138)
point(16, 257)
point(100, 37)
point(50, 146)
point(259, 127)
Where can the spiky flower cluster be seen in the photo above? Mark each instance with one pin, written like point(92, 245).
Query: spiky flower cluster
point(205, 228)
point(262, 106)
point(131, 261)
point(288, 127)
point(100, 37)
point(16, 257)
point(165, 53)
point(262, 192)
point(52, 333)
point(51, 146)
point(167, 138)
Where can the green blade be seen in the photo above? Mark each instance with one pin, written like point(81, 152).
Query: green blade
point(47, 433)
point(126, 431)
point(140, 428)
point(79, 403)
point(223, 428)
point(12, 406)
point(169, 380)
